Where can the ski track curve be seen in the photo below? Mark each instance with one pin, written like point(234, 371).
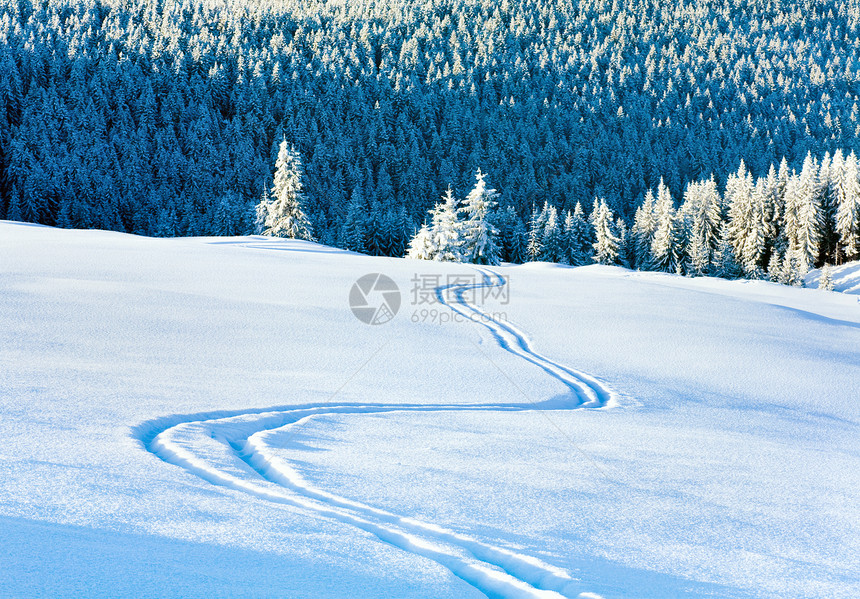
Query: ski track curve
point(234, 449)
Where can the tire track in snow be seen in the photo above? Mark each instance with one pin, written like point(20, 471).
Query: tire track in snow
point(232, 449)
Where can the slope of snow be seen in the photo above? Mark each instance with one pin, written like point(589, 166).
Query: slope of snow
point(845, 277)
point(719, 456)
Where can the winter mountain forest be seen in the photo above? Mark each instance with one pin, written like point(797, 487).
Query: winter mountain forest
point(697, 137)
point(449, 299)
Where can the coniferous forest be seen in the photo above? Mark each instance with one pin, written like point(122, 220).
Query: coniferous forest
point(699, 137)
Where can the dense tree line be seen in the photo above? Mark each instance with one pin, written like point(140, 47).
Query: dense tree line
point(778, 226)
point(165, 118)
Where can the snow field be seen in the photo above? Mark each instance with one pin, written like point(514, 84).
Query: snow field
point(726, 465)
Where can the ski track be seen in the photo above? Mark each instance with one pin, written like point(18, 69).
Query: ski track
point(233, 450)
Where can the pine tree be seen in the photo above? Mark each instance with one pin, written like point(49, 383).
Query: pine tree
point(166, 225)
point(226, 217)
point(607, 244)
point(534, 247)
point(480, 244)
point(642, 233)
point(828, 177)
point(848, 209)
point(793, 270)
point(743, 222)
point(421, 247)
point(353, 235)
point(579, 238)
point(700, 254)
point(518, 242)
point(791, 216)
point(701, 215)
point(774, 268)
point(623, 242)
point(667, 246)
point(284, 212)
point(825, 281)
point(566, 237)
point(378, 233)
point(772, 213)
point(402, 228)
point(447, 230)
point(754, 240)
point(441, 240)
point(551, 243)
point(261, 212)
point(505, 221)
point(725, 263)
point(809, 216)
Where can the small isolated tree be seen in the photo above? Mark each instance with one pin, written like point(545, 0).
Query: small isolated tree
point(825, 280)
point(283, 213)
point(480, 244)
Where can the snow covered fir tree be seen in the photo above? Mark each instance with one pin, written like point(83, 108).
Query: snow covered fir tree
point(282, 214)
point(719, 140)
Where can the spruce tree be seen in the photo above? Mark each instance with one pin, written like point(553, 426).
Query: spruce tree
point(700, 254)
point(666, 247)
point(519, 239)
point(377, 232)
point(480, 244)
point(809, 217)
point(644, 227)
point(446, 230)
point(825, 280)
point(607, 244)
point(421, 247)
point(742, 220)
point(623, 242)
point(702, 217)
point(284, 211)
point(754, 240)
point(829, 175)
point(551, 243)
point(505, 221)
point(774, 268)
point(534, 246)
point(848, 209)
point(725, 263)
point(566, 236)
point(353, 232)
point(578, 238)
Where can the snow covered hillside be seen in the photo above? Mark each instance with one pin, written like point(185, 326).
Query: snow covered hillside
point(845, 277)
point(207, 417)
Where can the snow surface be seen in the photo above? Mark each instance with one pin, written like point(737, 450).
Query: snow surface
point(615, 434)
point(845, 277)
